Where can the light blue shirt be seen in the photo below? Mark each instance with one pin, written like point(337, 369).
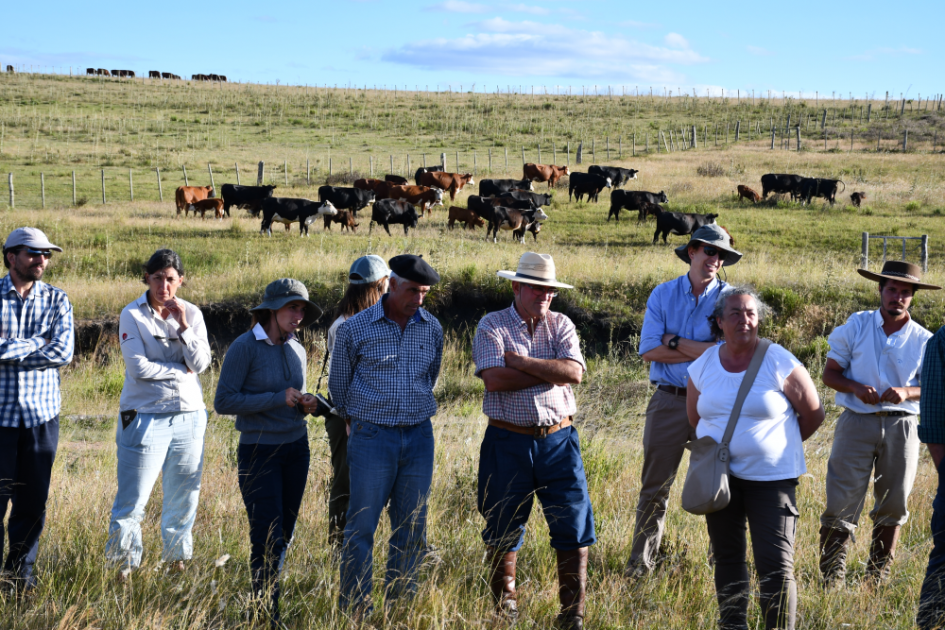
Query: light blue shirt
point(868, 356)
point(672, 308)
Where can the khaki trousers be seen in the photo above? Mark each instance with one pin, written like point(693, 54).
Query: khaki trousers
point(665, 434)
point(860, 443)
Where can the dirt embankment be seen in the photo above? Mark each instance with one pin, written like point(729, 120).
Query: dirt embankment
point(458, 307)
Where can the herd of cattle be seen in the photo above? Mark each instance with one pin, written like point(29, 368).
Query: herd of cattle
point(152, 74)
point(502, 204)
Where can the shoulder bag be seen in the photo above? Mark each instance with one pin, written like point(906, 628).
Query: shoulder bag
point(706, 489)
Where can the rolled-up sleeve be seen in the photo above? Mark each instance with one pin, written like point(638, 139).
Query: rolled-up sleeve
point(488, 350)
point(567, 344)
point(932, 402)
point(841, 342)
point(654, 322)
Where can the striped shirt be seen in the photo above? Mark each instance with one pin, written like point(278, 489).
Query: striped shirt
point(555, 338)
point(29, 374)
point(383, 375)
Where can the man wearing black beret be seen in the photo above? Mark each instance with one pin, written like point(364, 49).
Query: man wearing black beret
point(385, 364)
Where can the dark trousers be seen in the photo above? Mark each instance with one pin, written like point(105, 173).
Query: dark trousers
point(769, 509)
point(932, 600)
point(340, 484)
point(26, 461)
point(514, 469)
point(272, 481)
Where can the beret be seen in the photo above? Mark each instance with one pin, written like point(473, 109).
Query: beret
point(414, 268)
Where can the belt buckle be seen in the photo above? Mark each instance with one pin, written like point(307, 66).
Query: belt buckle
point(541, 432)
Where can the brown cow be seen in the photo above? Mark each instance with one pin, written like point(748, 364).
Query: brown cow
point(367, 184)
point(467, 217)
point(544, 173)
point(423, 195)
point(453, 182)
point(344, 217)
point(186, 196)
point(397, 180)
point(857, 198)
point(202, 206)
point(748, 193)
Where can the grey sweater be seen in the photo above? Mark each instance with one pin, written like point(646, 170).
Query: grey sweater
point(252, 387)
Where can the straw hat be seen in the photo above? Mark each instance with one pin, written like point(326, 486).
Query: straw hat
point(899, 270)
point(535, 269)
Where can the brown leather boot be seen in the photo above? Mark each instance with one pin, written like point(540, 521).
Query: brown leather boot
point(502, 584)
point(833, 555)
point(882, 552)
point(572, 587)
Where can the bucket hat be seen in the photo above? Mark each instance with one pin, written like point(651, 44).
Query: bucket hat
point(281, 292)
point(715, 236)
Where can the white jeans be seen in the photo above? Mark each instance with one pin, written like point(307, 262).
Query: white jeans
point(171, 443)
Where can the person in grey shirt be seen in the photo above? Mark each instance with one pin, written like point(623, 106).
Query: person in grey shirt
point(162, 417)
point(262, 383)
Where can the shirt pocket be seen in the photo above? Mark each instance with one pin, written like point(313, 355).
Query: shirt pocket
point(378, 357)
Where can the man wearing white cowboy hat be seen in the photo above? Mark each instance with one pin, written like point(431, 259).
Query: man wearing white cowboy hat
point(874, 365)
point(528, 357)
point(676, 331)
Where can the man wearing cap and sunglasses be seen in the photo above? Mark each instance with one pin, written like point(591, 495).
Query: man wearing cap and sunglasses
point(36, 339)
point(874, 364)
point(528, 357)
point(384, 367)
point(676, 331)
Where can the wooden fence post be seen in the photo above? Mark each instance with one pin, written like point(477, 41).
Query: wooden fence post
point(554, 153)
point(370, 158)
point(869, 112)
point(905, 140)
point(825, 139)
point(607, 141)
point(424, 162)
point(579, 154)
point(184, 167)
point(330, 168)
point(865, 251)
point(73, 188)
point(455, 164)
point(772, 137)
point(567, 154)
point(392, 163)
point(236, 167)
point(285, 171)
point(12, 204)
point(407, 172)
point(103, 186)
point(443, 161)
point(474, 163)
point(539, 153)
point(798, 130)
point(42, 187)
point(694, 137)
point(506, 158)
point(633, 144)
point(490, 160)
point(925, 252)
point(261, 172)
point(160, 189)
point(620, 147)
point(523, 154)
point(210, 170)
point(131, 185)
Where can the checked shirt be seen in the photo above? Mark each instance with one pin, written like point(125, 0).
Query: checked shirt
point(382, 375)
point(555, 338)
point(932, 404)
point(29, 375)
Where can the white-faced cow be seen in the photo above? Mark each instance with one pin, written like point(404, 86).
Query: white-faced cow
point(287, 211)
point(515, 221)
point(618, 176)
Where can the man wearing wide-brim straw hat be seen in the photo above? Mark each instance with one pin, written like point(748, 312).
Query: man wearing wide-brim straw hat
point(528, 357)
point(874, 365)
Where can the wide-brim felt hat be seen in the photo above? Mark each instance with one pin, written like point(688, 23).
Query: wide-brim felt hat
point(711, 234)
point(535, 269)
point(281, 292)
point(902, 271)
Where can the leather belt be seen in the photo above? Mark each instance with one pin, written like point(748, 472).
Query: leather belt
point(675, 391)
point(892, 414)
point(535, 432)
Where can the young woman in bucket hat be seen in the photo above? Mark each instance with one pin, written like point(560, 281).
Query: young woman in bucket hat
point(262, 383)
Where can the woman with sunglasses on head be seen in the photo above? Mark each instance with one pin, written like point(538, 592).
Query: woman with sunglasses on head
point(162, 417)
point(262, 383)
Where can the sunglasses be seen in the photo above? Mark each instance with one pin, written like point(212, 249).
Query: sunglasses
point(45, 253)
point(714, 251)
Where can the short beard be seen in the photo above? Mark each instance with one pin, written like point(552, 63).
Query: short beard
point(29, 273)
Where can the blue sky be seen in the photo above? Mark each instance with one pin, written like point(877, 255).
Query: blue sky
point(865, 47)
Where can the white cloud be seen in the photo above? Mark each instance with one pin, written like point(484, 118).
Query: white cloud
point(533, 49)
point(458, 6)
point(527, 8)
point(675, 40)
point(758, 51)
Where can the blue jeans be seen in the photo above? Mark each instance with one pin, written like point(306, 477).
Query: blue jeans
point(514, 468)
point(152, 444)
point(932, 600)
point(392, 464)
point(272, 481)
point(26, 460)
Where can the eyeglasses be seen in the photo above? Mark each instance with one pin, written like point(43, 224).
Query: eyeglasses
point(45, 253)
point(553, 292)
point(714, 251)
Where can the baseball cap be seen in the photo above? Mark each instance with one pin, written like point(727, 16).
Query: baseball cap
point(29, 237)
point(368, 269)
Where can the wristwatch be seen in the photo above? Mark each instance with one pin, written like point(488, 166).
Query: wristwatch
point(674, 343)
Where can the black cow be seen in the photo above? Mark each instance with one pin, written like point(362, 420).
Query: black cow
point(287, 211)
point(154, 74)
point(537, 199)
point(352, 199)
point(817, 187)
point(518, 221)
point(618, 176)
point(425, 169)
point(388, 211)
point(246, 197)
point(396, 180)
point(493, 187)
point(633, 200)
point(780, 183)
point(680, 223)
point(580, 184)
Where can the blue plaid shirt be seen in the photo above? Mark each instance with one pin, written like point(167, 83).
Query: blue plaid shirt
point(932, 403)
point(29, 374)
point(382, 375)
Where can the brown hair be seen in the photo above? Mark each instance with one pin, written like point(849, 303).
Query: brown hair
point(261, 317)
point(358, 297)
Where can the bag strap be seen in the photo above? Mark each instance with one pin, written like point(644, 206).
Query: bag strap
point(747, 382)
point(324, 365)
